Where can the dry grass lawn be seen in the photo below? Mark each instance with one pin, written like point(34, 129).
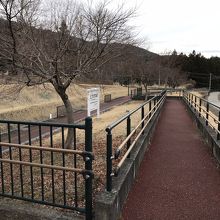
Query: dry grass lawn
point(36, 103)
point(201, 93)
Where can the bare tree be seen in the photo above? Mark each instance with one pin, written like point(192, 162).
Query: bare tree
point(175, 77)
point(148, 73)
point(172, 75)
point(143, 70)
point(72, 40)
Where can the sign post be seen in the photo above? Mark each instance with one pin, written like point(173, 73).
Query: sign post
point(93, 101)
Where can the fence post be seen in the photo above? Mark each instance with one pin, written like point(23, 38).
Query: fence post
point(218, 135)
point(207, 113)
point(142, 116)
point(190, 100)
point(200, 109)
point(128, 132)
point(88, 166)
point(150, 108)
point(155, 104)
point(109, 162)
point(195, 103)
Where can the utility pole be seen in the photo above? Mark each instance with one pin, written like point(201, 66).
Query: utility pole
point(210, 83)
point(159, 74)
point(159, 77)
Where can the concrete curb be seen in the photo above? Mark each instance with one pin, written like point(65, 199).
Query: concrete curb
point(11, 209)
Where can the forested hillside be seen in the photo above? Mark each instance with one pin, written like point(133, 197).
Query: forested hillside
point(133, 63)
point(200, 69)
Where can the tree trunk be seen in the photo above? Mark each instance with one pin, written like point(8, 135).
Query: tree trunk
point(145, 87)
point(70, 120)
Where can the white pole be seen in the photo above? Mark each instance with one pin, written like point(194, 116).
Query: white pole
point(210, 82)
point(98, 108)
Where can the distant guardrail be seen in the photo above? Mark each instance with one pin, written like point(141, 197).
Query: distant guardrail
point(206, 110)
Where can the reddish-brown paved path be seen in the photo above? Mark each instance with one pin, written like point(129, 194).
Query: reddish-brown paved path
point(178, 178)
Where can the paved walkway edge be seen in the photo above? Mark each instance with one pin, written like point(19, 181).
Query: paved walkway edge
point(108, 205)
point(178, 177)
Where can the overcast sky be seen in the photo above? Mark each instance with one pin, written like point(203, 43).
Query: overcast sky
point(184, 25)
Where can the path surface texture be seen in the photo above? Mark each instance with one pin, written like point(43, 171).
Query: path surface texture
point(178, 178)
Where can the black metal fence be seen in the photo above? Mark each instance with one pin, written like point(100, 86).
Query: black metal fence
point(174, 92)
point(61, 111)
point(147, 111)
point(137, 94)
point(36, 166)
point(108, 98)
point(206, 110)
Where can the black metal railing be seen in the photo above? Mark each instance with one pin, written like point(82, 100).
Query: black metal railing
point(206, 110)
point(61, 111)
point(133, 92)
point(36, 166)
point(175, 92)
point(127, 144)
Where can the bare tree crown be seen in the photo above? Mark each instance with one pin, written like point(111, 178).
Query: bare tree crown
point(56, 41)
point(73, 39)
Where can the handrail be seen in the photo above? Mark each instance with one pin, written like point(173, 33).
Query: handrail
point(216, 106)
point(116, 171)
point(191, 100)
point(117, 122)
point(134, 130)
point(78, 126)
point(50, 149)
point(215, 120)
point(31, 164)
point(154, 104)
point(209, 123)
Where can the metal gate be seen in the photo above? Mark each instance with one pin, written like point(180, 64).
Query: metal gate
point(36, 167)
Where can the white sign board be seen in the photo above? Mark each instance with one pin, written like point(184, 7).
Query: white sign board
point(93, 101)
